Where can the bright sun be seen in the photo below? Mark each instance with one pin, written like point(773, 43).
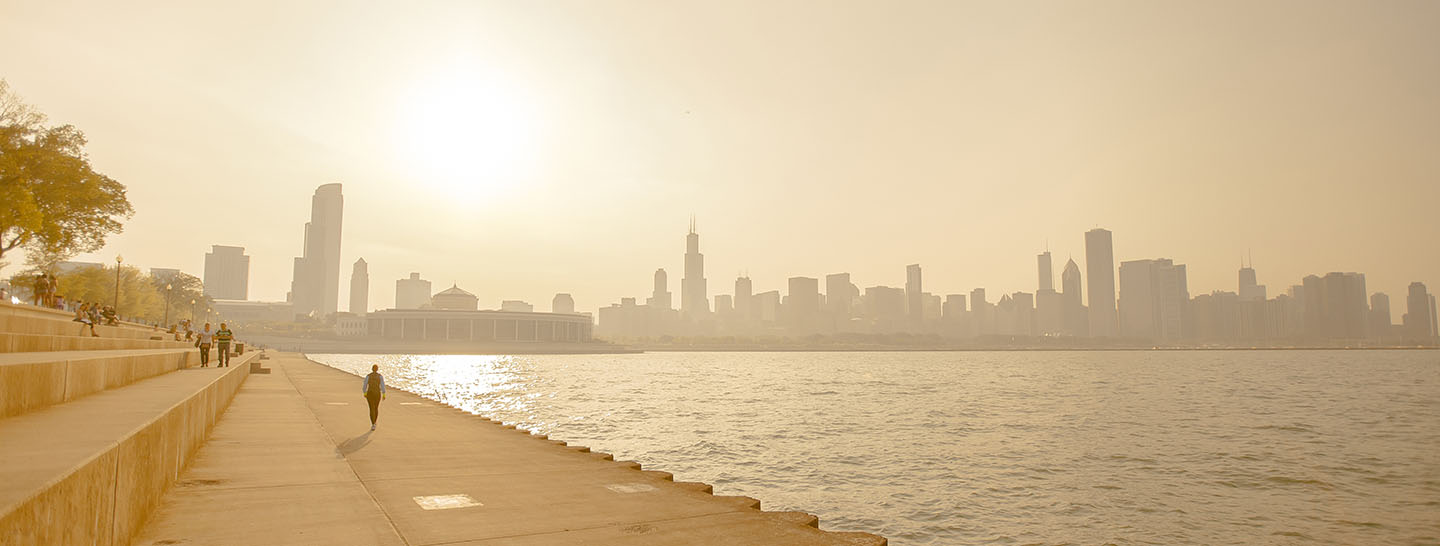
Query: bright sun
point(467, 134)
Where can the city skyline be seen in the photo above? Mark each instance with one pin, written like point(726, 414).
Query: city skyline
point(1304, 137)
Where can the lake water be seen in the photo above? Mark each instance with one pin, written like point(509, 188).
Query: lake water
point(1130, 447)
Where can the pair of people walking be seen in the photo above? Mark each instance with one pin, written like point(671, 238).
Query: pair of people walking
point(221, 338)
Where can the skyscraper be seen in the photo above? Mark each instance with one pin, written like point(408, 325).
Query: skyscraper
point(315, 286)
point(1379, 316)
point(412, 293)
point(802, 305)
point(360, 287)
point(1249, 290)
point(840, 295)
point(562, 303)
point(743, 301)
point(1072, 306)
point(694, 300)
point(1153, 294)
point(1047, 279)
point(914, 301)
point(660, 294)
point(227, 273)
point(1048, 313)
point(1100, 268)
point(1418, 322)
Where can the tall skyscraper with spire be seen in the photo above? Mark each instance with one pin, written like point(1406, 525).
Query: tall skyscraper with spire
point(360, 287)
point(1046, 276)
point(1100, 269)
point(315, 286)
point(694, 301)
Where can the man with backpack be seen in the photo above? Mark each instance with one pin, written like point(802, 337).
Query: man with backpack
point(373, 387)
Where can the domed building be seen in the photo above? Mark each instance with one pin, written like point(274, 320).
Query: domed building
point(455, 298)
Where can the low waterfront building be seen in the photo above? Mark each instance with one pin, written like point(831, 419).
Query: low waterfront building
point(241, 312)
point(477, 326)
point(350, 325)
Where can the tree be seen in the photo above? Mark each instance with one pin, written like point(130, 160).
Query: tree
point(51, 199)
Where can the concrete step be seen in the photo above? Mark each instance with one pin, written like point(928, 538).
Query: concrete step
point(28, 319)
point(31, 343)
point(89, 471)
point(31, 381)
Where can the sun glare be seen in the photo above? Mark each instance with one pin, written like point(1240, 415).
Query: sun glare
point(467, 134)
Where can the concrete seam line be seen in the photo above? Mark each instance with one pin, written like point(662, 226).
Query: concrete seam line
point(571, 530)
point(388, 519)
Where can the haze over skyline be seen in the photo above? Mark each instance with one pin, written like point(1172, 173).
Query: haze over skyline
point(521, 150)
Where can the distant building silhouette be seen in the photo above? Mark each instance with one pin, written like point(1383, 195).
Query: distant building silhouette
point(227, 273)
point(660, 294)
point(724, 304)
point(767, 307)
point(562, 303)
point(885, 308)
point(412, 293)
point(315, 286)
point(982, 318)
point(1072, 307)
point(1419, 317)
point(1048, 312)
point(744, 307)
point(1042, 266)
point(803, 305)
point(456, 299)
point(914, 302)
point(1249, 289)
point(516, 306)
point(1153, 297)
point(840, 296)
point(694, 301)
point(1380, 321)
point(955, 316)
point(360, 287)
point(1100, 268)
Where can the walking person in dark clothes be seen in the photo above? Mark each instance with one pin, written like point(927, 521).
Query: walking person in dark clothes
point(373, 387)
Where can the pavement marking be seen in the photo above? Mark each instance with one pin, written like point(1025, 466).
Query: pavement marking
point(446, 502)
point(630, 487)
point(412, 403)
point(337, 403)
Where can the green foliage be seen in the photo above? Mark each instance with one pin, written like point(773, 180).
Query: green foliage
point(53, 201)
point(142, 296)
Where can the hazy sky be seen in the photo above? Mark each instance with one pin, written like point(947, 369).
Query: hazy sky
point(527, 148)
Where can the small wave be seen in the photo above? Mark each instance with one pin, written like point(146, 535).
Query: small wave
point(1286, 480)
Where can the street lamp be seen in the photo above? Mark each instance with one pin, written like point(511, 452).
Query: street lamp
point(168, 294)
point(192, 308)
point(118, 259)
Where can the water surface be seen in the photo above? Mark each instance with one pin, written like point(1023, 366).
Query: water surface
point(1161, 447)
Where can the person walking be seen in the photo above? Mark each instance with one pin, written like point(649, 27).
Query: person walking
point(223, 336)
point(373, 387)
point(202, 340)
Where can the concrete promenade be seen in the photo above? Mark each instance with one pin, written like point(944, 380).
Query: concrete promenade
point(292, 462)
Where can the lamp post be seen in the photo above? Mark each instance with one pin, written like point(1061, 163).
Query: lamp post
point(192, 308)
point(168, 294)
point(118, 259)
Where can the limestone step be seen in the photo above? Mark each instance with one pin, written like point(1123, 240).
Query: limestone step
point(28, 319)
point(89, 471)
point(30, 343)
point(31, 381)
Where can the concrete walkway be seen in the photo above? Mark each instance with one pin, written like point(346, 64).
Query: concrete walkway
point(293, 462)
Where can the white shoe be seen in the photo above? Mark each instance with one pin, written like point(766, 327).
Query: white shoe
point(372, 427)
